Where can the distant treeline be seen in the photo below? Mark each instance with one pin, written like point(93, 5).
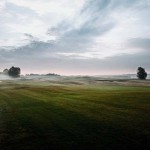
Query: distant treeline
point(49, 74)
point(16, 71)
point(13, 72)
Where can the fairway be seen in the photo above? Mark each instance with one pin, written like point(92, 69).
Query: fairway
point(74, 117)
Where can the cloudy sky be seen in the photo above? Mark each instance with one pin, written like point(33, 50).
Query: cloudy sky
point(87, 37)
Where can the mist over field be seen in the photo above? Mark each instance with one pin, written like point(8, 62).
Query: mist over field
point(5, 77)
point(58, 80)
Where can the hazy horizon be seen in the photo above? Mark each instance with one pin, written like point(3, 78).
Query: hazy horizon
point(83, 37)
point(125, 72)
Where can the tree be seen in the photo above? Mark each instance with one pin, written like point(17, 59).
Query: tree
point(141, 74)
point(5, 71)
point(14, 71)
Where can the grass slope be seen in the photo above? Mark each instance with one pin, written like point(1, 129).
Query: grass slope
point(74, 117)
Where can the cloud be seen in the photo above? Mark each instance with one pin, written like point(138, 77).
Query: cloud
point(21, 16)
point(67, 35)
point(50, 6)
point(139, 43)
point(29, 36)
point(2, 5)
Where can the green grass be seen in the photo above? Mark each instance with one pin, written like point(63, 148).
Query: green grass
point(74, 117)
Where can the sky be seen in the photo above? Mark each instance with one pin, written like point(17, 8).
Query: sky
point(81, 37)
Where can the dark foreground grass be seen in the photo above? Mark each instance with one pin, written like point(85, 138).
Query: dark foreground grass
point(70, 117)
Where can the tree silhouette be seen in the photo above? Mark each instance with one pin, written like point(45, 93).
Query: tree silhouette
point(5, 71)
point(141, 74)
point(14, 71)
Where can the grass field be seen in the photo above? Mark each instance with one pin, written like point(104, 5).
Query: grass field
point(74, 117)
